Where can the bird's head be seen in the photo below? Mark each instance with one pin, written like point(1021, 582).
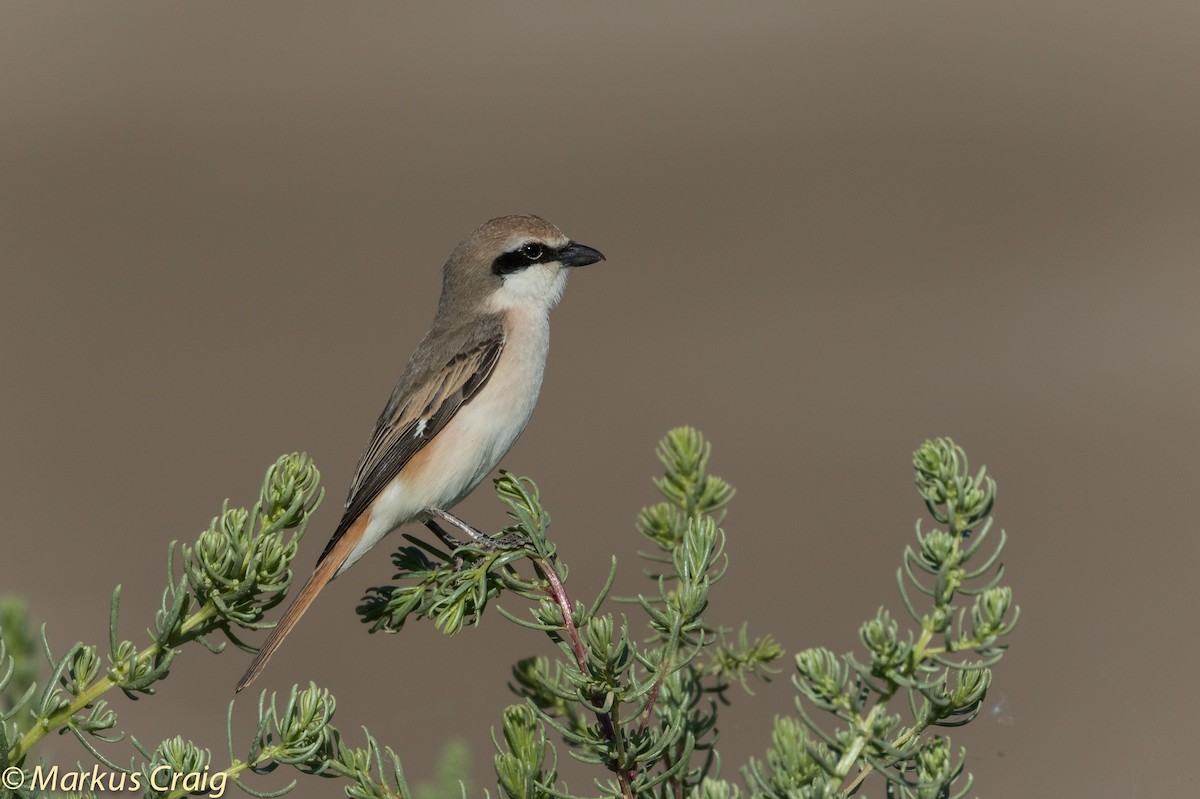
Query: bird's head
point(512, 262)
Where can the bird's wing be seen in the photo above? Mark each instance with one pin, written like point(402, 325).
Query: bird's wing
point(426, 398)
point(419, 409)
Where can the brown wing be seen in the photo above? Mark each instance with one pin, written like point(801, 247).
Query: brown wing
point(413, 417)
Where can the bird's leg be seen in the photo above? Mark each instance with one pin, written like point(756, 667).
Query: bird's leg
point(450, 541)
point(475, 536)
point(478, 537)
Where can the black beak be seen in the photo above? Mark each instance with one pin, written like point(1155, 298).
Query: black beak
point(578, 255)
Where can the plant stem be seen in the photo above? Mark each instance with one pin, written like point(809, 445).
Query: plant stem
point(670, 649)
point(919, 651)
point(558, 592)
point(63, 717)
point(97, 689)
point(234, 770)
point(865, 771)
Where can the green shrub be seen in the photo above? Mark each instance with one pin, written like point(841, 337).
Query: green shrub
point(637, 702)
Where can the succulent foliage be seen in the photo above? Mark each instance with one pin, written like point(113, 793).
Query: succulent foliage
point(634, 693)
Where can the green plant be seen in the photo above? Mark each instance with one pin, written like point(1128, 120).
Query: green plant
point(942, 668)
point(639, 706)
point(642, 709)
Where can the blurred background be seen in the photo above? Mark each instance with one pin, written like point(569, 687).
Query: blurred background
point(833, 230)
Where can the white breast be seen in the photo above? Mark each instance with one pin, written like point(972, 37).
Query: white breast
point(485, 429)
point(471, 445)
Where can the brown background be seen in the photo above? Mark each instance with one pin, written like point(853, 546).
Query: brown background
point(833, 230)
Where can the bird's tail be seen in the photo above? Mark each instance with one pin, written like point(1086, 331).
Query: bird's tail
point(327, 567)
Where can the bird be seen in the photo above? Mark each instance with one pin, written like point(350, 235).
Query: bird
point(465, 396)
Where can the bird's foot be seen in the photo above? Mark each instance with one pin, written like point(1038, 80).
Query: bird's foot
point(450, 541)
point(476, 537)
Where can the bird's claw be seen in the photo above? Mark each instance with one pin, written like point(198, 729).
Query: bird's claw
point(475, 536)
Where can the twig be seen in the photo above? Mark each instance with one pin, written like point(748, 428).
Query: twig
point(558, 592)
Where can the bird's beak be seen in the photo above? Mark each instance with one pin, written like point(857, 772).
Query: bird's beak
point(579, 255)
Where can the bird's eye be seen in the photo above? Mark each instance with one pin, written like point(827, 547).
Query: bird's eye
point(523, 257)
point(532, 251)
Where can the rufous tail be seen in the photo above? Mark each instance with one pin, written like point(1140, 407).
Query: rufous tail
point(325, 570)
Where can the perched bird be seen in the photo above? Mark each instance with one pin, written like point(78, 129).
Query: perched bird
point(467, 393)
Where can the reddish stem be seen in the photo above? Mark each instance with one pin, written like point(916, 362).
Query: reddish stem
point(653, 698)
point(558, 592)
